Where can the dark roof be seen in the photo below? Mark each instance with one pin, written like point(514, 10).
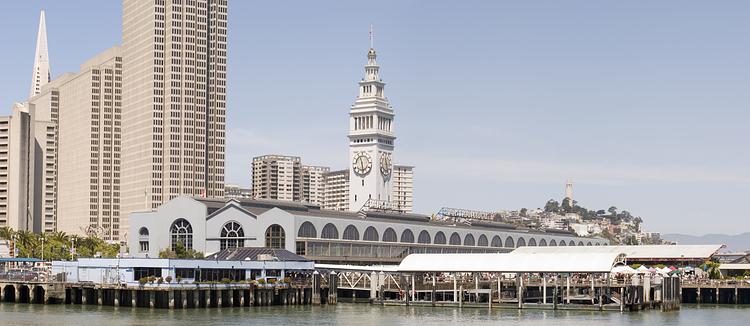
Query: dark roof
point(258, 206)
point(20, 260)
point(252, 253)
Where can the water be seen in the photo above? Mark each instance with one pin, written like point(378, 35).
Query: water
point(359, 315)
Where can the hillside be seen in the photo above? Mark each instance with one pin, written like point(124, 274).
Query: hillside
point(739, 242)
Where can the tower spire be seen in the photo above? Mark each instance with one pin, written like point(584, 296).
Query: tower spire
point(41, 74)
point(372, 38)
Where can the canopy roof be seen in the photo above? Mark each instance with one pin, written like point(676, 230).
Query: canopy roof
point(734, 266)
point(582, 262)
point(649, 252)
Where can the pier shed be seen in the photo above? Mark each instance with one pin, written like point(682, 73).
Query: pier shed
point(684, 255)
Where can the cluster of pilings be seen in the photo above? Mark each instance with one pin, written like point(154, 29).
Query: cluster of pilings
point(169, 296)
point(720, 293)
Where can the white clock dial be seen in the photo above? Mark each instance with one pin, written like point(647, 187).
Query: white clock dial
point(361, 163)
point(386, 166)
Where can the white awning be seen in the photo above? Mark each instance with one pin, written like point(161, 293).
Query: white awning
point(734, 266)
point(666, 252)
point(601, 262)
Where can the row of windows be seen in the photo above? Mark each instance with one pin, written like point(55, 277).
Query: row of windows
point(308, 230)
point(232, 236)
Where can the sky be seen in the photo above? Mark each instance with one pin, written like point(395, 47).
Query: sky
point(643, 104)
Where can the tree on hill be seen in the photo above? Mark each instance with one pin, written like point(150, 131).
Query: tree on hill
point(552, 206)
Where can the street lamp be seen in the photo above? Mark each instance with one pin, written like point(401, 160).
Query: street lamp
point(41, 238)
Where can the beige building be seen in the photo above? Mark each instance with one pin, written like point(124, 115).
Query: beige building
point(16, 146)
point(174, 106)
point(236, 192)
point(277, 177)
point(87, 108)
point(336, 190)
point(403, 187)
point(313, 184)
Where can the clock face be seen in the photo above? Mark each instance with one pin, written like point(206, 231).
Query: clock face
point(362, 164)
point(386, 166)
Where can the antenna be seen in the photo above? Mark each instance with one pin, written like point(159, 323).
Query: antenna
point(372, 36)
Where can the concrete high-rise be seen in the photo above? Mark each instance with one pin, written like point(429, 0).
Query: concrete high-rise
point(277, 177)
point(313, 184)
point(403, 188)
point(174, 101)
point(88, 109)
point(336, 192)
point(16, 149)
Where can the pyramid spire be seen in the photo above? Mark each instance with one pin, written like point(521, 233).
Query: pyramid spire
point(41, 73)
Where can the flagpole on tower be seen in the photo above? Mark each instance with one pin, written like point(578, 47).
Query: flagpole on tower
point(372, 44)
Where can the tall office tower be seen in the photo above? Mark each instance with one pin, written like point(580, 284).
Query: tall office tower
point(336, 190)
point(371, 140)
point(313, 184)
point(88, 106)
point(41, 74)
point(403, 188)
point(174, 101)
point(16, 150)
point(277, 177)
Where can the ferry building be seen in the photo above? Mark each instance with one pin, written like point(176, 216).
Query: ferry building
point(365, 237)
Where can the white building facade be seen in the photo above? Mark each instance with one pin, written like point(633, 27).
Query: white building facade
point(209, 225)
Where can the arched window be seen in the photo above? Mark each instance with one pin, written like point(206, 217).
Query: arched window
point(469, 240)
point(552, 243)
point(571, 243)
point(351, 233)
point(482, 242)
point(497, 242)
point(509, 243)
point(275, 237)
point(521, 242)
point(589, 243)
point(424, 237)
point(371, 234)
point(580, 243)
point(455, 239)
point(389, 235)
point(407, 236)
point(143, 240)
point(532, 242)
point(181, 232)
point(543, 243)
point(307, 230)
point(231, 236)
point(329, 232)
point(562, 243)
point(597, 244)
point(440, 238)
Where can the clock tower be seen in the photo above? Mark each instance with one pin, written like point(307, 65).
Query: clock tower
point(371, 140)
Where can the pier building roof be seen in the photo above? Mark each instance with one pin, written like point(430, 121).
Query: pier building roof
point(579, 262)
point(635, 253)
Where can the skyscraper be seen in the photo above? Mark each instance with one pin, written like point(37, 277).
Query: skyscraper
point(174, 101)
point(371, 140)
point(89, 107)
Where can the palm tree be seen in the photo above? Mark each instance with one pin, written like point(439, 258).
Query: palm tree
point(25, 241)
point(6, 233)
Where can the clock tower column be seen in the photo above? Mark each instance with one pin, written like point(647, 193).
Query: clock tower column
point(371, 140)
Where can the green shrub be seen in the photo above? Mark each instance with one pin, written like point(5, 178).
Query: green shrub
point(143, 280)
point(160, 281)
point(169, 279)
point(225, 281)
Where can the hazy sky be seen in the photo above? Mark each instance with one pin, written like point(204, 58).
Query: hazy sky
point(644, 104)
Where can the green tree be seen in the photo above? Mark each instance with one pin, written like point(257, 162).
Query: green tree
point(552, 206)
point(612, 211)
point(6, 233)
point(524, 212)
point(181, 252)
